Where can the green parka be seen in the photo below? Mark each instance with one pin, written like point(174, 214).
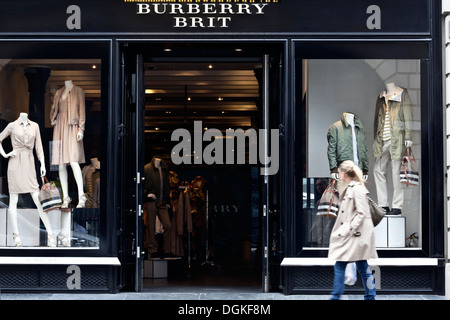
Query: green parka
point(340, 144)
point(400, 114)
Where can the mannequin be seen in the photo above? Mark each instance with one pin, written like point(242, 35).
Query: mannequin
point(68, 136)
point(67, 117)
point(25, 136)
point(347, 141)
point(91, 174)
point(156, 202)
point(393, 134)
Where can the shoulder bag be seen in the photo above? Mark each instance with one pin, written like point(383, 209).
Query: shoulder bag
point(376, 212)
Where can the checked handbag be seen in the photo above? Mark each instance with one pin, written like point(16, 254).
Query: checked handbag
point(409, 172)
point(49, 195)
point(329, 202)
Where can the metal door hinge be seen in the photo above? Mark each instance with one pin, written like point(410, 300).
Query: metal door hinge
point(138, 177)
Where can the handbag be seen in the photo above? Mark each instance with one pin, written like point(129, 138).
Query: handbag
point(329, 201)
point(49, 195)
point(376, 212)
point(409, 173)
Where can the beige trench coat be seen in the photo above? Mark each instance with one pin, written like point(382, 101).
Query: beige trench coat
point(352, 237)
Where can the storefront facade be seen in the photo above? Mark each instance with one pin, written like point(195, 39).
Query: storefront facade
point(289, 70)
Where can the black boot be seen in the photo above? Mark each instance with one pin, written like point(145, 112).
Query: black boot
point(396, 212)
point(387, 209)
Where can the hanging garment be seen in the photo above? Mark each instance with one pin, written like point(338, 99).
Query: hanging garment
point(184, 212)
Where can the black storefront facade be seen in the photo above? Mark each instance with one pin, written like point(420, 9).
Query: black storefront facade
point(310, 62)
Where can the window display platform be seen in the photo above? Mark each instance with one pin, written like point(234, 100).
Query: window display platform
point(390, 233)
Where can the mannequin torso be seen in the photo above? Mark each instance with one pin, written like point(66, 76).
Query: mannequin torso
point(68, 85)
point(96, 163)
point(350, 119)
point(23, 117)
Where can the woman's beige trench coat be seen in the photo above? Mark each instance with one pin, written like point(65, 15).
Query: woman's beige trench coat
point(352, 237)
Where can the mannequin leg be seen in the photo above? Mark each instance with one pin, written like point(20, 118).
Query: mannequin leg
point(45, 219)
point(79, 180)
point(64, 235)
point(397, 198)
point(12, 216)
point(63, 178)
point(379, 172)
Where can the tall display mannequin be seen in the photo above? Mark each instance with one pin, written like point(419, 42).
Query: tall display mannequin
point(392, 133)
point(157, 200)
point(25, 136)
point(68, 117)
point(347, 141)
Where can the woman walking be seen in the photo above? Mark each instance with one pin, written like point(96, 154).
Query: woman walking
point(352, 238)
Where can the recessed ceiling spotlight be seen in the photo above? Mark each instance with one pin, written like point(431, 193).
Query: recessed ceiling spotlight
point(167, 50)
point(238, 50)
point(94, 66)
point(210, 66)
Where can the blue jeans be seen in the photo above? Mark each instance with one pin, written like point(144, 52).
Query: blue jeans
point(366, 276)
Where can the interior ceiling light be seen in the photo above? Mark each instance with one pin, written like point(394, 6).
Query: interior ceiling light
point(238, 50)
point(94, 66)
point(220, 99)
point(210, 66)
point(153, 91)
point(167, 50)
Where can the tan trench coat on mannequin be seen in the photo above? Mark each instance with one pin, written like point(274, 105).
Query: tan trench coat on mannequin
point(352, 237)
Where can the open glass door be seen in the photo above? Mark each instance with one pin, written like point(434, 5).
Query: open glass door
point(132, 164)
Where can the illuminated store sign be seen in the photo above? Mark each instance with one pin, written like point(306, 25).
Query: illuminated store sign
point(201, 15)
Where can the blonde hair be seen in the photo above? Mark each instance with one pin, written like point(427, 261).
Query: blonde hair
point(353, 171)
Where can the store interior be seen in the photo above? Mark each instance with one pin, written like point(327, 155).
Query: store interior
point(220, 245)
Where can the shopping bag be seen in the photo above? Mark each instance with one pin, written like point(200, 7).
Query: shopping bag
point(329, 201)
point(49, 195)
point(409, 172)
point(350, 274)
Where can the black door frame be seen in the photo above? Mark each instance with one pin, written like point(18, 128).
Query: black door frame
point(268, 213)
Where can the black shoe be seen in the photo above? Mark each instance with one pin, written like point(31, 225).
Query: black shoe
point(387, 209)
point(395, 212)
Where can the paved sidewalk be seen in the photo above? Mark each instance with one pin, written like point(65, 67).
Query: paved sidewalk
point(203, 294)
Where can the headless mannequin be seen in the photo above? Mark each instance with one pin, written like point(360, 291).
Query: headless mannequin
point(63, 236)
point(63, 175)
point(158, 166)
point(350, 118)
point(380, 173)
point(391, 91)
point(14, 198)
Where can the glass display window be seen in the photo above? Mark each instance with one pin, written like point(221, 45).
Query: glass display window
point(50, 142)
point(367, 111)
